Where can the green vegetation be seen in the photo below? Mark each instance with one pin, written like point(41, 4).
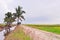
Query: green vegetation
point(9, 18)
point(20, 35)
point(19, 14)
point(17, 34)
point(49, 28)
point(2, 25)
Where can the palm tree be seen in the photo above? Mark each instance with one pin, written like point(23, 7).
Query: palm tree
point(8, 19)
point(18, 15)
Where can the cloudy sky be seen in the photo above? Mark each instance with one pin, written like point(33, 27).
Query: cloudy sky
point(37, 11)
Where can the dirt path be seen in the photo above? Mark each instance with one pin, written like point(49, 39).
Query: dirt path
point(36, 34)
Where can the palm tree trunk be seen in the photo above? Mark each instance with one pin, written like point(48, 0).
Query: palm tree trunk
point(18, 21)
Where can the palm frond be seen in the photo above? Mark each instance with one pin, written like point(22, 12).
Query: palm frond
point(23, 12)
point(22, 17)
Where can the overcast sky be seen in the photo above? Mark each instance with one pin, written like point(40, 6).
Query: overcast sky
point(37, 11)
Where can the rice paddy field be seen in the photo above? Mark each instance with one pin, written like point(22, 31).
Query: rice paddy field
point(48, 28)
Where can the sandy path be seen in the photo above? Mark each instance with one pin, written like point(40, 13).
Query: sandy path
point(36, 34)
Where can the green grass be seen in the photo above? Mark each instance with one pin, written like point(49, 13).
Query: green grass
point(2, 25)
point(18, 34)
point(49, 28)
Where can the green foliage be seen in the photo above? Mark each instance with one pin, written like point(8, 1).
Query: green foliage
point(9, 17)
point(19, 13)
point(8, 14)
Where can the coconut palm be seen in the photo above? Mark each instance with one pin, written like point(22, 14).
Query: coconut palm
point(8, 19)
point(18, 15)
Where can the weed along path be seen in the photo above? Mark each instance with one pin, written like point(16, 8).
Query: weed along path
point(36, 34)
point(17, 34)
